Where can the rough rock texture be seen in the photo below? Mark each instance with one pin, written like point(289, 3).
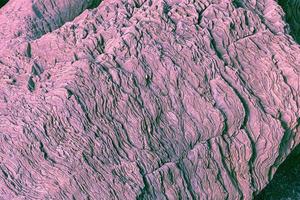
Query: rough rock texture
point(145, 99)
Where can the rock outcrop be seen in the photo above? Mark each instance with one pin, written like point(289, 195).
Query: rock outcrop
point(144, 99)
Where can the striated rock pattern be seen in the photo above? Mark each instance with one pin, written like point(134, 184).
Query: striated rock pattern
point(145, 99)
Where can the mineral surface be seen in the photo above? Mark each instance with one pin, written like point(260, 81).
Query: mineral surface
point(146, 99)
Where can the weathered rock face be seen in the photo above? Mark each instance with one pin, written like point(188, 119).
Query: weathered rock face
point(142, 99)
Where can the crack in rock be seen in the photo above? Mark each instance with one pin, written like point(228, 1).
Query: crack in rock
point(3, 2)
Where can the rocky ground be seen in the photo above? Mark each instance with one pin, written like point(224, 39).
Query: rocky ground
point(146, 99)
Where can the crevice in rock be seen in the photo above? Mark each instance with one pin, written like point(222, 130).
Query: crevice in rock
point(94, 4)
point(286, 181)
point(237, 3)
point(292, 17)
point(42, 24)
point(3, 2)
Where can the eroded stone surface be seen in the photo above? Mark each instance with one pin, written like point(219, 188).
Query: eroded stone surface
point(142, 99)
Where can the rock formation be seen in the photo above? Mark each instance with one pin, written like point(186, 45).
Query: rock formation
point(145, 99)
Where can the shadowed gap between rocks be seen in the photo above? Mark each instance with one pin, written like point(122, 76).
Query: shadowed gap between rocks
point(286, 181)
point(292, 17)
point(3, 2)
point(95, 4)
point(237, 3)
point(57, 21)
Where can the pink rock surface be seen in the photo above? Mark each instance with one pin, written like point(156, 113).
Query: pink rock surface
point(143, 99)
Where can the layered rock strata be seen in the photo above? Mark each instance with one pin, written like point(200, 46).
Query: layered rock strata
point(143, 99)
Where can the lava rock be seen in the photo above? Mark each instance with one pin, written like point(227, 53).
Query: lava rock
point(143, 99)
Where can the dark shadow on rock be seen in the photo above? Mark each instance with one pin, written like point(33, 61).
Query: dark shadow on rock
point(237, 3)
point(95, 4)
point(292, 16)
point(3, 2)
point(285, 184)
